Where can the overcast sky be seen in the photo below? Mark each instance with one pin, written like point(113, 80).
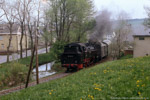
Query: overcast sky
point(135, 8)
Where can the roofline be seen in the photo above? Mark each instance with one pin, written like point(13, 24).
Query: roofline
point(141, 35)
point(9, 34)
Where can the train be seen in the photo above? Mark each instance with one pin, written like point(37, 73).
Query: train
point(78, 55)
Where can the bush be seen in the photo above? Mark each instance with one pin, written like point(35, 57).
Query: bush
point(58, 68)
point(12, 74)
point(127, 57)
point(57, 50)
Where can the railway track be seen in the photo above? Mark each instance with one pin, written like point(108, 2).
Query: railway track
point(43, 80)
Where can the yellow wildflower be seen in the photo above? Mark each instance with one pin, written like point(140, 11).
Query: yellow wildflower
point(143, 85)
point(50, 93)
point(139, 93)
point(105, 71)
point(99, 89)
point(92, 97)
point(137, 85)
point(96, 88)
point(138, 81)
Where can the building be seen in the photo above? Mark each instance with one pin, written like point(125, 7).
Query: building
point(15, 42)
point(141, 45)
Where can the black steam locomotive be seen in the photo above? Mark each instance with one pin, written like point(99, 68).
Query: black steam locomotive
point(79, 55)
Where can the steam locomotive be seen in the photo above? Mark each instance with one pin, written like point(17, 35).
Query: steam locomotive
point(79, 55)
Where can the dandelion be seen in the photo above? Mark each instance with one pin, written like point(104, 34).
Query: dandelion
point(105, 71)
point(99, 89)
point(81, 99)
point(143, 85)
point(137, 85)
point(139, 93)
point(137, 81)
point(92, 97)
point(50, 93)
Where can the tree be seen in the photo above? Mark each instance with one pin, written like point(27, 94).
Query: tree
point(68, 17)
point(147, 20)
point(9, 13)
point(122, 30)
point(46, 37)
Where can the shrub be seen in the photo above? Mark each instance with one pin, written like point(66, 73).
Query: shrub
point(57, 67)
point(127, 57)
point(13, 74)
point(57, 50)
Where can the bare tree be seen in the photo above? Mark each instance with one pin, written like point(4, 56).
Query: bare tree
point(33, 30)
point(147, 20)
point(21, 15)
point(9, 13)
point(121, 31)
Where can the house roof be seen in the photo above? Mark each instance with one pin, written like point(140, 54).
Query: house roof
point(5, 30)
point(141, 35)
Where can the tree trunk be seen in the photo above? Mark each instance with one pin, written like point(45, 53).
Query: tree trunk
point(31, 37)
point(26, 44)
point(37, 71)
point(22, 33)
point(30, 67)
point(46, 47)
point(10, 28)
point(36, 49)
point(8, 52)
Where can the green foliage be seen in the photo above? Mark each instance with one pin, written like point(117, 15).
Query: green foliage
point(74, 17)
point(127, 57)
point(12, 73)
point(57, 50)
point(123, 78)
point(58, 68)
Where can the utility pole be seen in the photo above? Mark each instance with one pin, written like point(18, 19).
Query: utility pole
point(36, 49)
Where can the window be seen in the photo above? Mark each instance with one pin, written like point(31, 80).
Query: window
point(2, 46)
point(141, 38)
point(1, 38)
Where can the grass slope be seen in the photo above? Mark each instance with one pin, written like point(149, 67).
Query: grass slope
point(122, 78)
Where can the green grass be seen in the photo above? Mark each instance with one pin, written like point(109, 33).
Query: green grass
point(43, 58)
point(122, 78)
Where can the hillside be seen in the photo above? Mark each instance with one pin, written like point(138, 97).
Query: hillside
point(122, 78)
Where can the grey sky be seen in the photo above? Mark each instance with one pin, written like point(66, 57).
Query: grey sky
point(135, 8)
